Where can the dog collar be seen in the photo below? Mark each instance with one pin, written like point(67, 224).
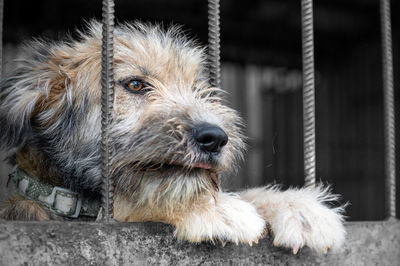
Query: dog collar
point(58, 200)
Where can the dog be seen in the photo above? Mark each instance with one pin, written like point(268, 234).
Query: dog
point(172, 137)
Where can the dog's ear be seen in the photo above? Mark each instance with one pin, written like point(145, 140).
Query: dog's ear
point(36, 84)
point(17, 102)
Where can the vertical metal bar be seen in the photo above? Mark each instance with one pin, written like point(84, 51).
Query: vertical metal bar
point(107, 99)
point(389, 115)
point(214, 43)
point(308, 91)
point(1, 37)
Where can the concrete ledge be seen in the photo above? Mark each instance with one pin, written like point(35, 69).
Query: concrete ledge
point(70, 243)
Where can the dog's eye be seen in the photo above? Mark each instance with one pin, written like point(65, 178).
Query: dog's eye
point(135, 85)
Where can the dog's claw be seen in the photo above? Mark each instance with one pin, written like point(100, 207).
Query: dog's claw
point(276, 243)
point(295, 249)
point(256, 241)
point(325, 250)
point(250, 243)
point(222, 242)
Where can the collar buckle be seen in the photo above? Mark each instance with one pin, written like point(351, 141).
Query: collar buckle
point(61, 199)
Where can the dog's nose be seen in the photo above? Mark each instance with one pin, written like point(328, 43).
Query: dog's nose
point(209, 137)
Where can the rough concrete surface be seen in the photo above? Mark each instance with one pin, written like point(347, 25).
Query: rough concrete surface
point(78, 243)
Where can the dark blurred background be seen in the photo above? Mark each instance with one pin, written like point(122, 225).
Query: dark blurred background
point(261, 56)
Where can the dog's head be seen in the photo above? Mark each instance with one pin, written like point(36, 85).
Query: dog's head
point(168, 120)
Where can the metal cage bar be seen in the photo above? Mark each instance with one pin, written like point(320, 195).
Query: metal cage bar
point(389, 113)
point(308, 91)
point(107, 100)
point(214, 43)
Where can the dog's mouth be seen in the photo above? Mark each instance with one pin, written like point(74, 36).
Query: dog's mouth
point(206, 166)
point(176, 166)
point(172, 169)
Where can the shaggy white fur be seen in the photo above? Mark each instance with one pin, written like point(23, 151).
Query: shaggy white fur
point(300, 217)
point(227, 218)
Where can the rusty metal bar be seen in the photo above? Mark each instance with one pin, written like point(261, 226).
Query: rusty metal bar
point(107, 97)
point(214, 43)
point(389, 113)
point(308, 91)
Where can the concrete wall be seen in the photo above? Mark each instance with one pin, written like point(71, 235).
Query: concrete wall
point(55, 243)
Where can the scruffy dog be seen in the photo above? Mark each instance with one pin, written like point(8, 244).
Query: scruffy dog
point(172, 138)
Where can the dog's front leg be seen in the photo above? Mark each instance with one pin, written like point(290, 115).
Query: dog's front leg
point(224, 217)
point(299, 217)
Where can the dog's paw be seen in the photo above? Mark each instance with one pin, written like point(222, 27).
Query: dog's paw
point(227, 219)
point(299, 217)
